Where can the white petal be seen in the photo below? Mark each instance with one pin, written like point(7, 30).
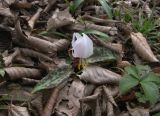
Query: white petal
point(82, 47)
point(76, 36)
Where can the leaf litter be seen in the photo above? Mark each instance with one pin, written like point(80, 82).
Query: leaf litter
point(39, 76)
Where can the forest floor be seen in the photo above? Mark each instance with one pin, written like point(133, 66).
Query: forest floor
point(80, 58)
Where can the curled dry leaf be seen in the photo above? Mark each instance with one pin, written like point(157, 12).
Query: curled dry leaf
point(17, 111)
point(105, 29)
point(109, 95)
point(24, 61)
point(99, 20)
point(51, 102)
point(59, 19)
point(61, 44)
point(98, 75)
point(27, 81)
point(35, 54)
point(142, 48)
point(8, 60)
point(34, 42)
point(110, 111)
point(93, 102)
point(34, 18)
point(19, 72)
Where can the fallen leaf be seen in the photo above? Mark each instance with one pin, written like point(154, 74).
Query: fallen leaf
point(59, 19)
point(142, 48)
point(98, 75)
point(17, 111)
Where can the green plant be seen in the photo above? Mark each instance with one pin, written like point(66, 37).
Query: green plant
point(74, 6)
point(143, 81)
point(106, 8)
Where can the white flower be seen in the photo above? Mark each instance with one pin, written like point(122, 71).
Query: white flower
point(82, 46)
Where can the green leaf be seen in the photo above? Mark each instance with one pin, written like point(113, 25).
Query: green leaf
point(106, 8)
point(152, 77)
point(101, 54)
point(2, 72)
point(157, 114)
point(141, 97)
point(75, 5)
point(151, 91)
point(54, 78)
point(131, 70)
point(95, 32)
point(127, 83)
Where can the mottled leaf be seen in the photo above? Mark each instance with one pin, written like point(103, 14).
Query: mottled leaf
point(54, 78)
point(101, 54)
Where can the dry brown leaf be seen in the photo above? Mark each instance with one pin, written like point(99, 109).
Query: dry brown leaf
point(89, 88)
point(51, 103)
point(8, 60)
point(59, 19)
point(17, 111)
point(49, 5)
point(34, 54)
point(110, 111)
point(36, 104)
point(76, 92)
point(6, 12)
point(99, 20)
point(93, 102)
point(123, 64)
point(19, 72)
point(9, 2)
point(139, 111)
point(105, 29)
point(142, 48)
point(23, 60)
point(34, 18)
point(34, 42)
point(22, 4)
point(109, 95)
point(68, 102)
point(98, 75)
point(27, 81)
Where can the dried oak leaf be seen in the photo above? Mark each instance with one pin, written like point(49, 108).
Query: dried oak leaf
point(98, 75)
point(59, 19)
point(17, 111)
point(142, 48)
